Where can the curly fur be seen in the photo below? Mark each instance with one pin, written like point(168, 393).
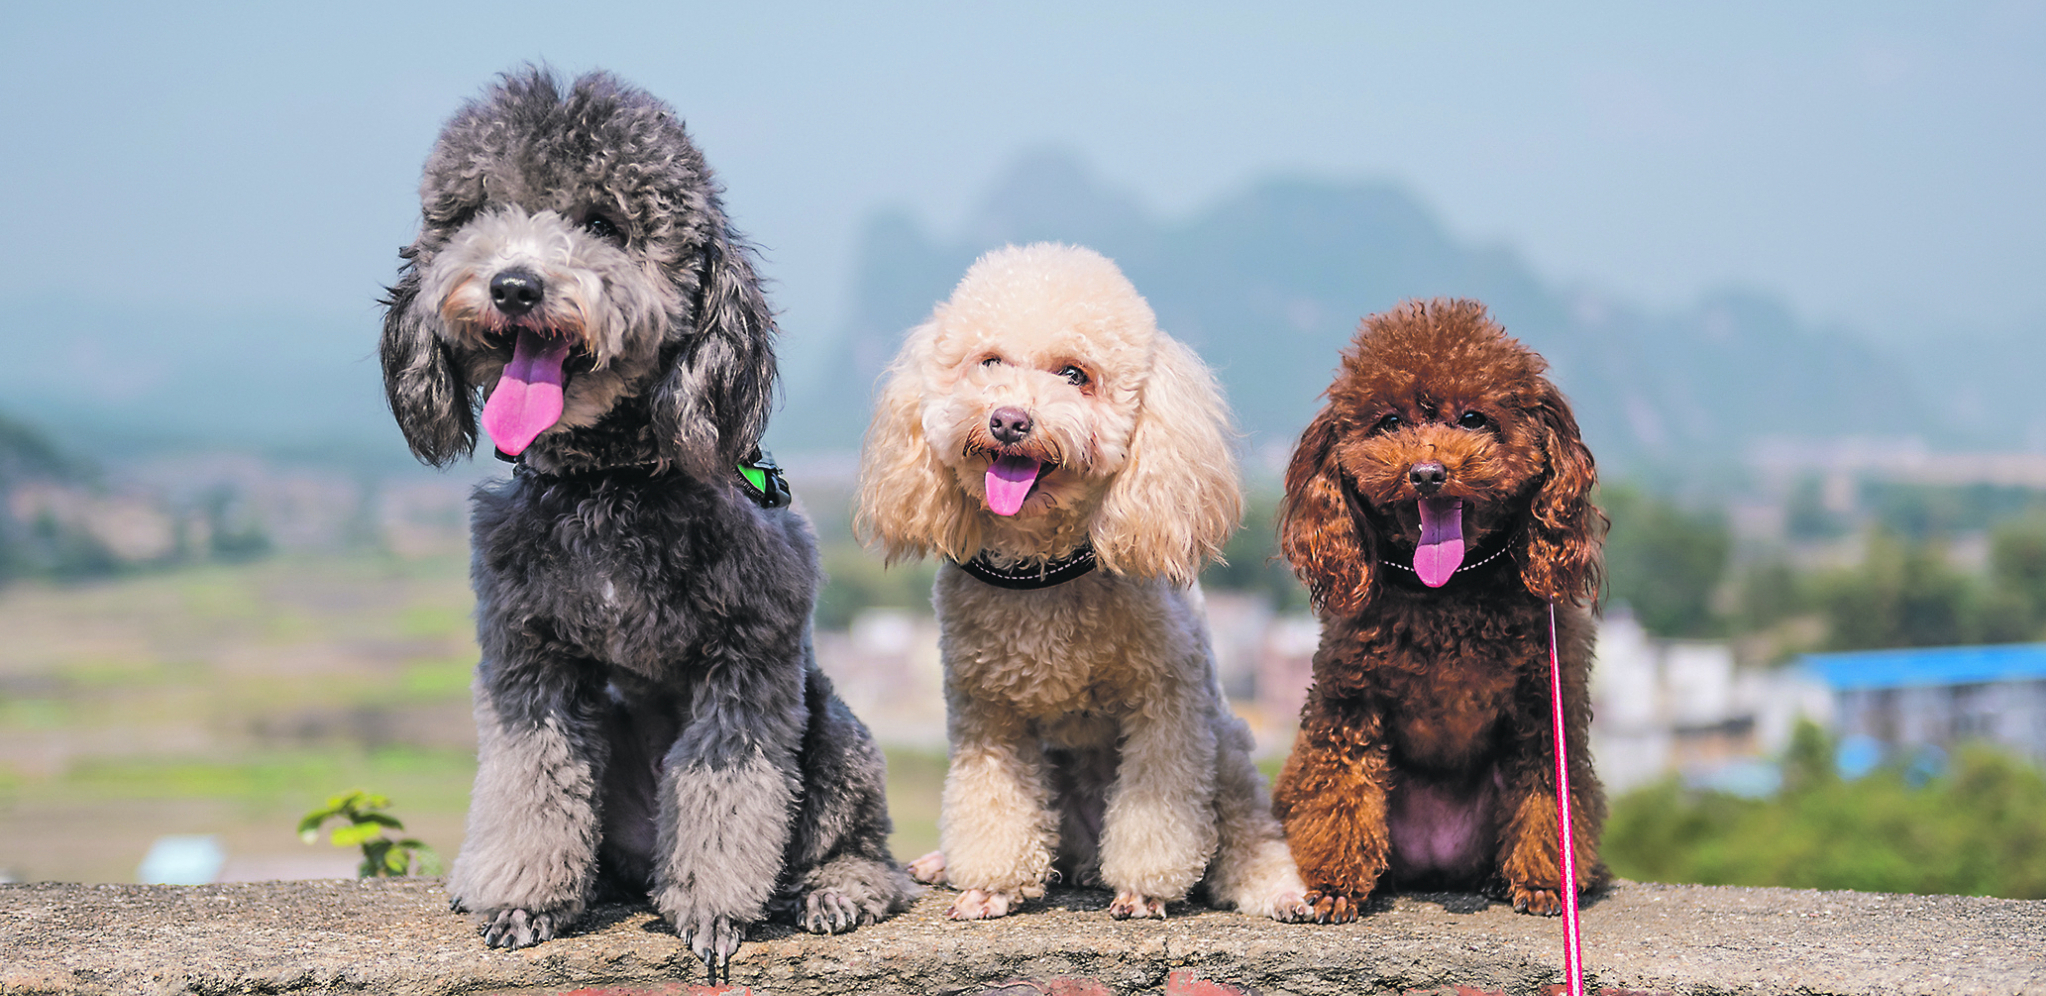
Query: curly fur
point(1089, 733)
point(650, 715)
point(1424, 752)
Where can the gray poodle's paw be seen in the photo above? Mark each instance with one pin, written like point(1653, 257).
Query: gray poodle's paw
point(713, 938)
point(514, 927)
point(828, 911)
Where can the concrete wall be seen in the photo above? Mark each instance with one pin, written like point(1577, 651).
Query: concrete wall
point(396, 937)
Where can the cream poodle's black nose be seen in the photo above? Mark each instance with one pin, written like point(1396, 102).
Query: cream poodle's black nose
point(1009, 425)
point(1427, 477)
point(515, 292)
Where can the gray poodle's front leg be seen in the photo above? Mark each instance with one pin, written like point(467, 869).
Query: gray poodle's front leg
point(729, 788)
point(530, 855)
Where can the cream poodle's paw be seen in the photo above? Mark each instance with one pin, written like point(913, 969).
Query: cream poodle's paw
point(929, 869)
point(1132, 905)
point(982, 904)
point(1287, 906)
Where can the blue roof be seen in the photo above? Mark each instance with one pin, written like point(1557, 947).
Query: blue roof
point(1919, 666)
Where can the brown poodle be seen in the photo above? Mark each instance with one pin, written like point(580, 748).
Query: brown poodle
point(1436, 508)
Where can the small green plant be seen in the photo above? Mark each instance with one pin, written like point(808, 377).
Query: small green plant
point(363, 825)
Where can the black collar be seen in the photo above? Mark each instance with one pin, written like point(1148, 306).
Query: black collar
point(1044, 575)
point(760, 478)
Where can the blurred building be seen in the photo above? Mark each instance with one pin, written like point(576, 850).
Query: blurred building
point(1683, 707)
point(1939, 696)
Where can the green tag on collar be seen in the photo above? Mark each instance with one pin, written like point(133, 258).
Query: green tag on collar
point(754, 476)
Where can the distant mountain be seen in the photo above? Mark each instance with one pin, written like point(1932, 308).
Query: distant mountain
point(1269, 285)
point(117, 381)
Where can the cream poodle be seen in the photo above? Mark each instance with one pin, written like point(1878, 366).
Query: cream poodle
point(1037, 426)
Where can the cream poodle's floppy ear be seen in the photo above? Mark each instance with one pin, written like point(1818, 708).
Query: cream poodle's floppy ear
point(908, 504)
point(1178, 497)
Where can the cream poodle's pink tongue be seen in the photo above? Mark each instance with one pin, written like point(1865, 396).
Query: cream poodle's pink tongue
point(1008, 482)
point(528, 395)
point(1441, 547)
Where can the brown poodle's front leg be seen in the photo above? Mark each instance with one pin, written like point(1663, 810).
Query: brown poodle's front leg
point(1529, 851)
point(1331, 796)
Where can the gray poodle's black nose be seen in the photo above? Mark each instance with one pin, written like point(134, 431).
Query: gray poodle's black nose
point(1427, 477)
point(1009, 425)
point(515, 292)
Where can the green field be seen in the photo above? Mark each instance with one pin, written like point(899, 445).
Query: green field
point(229, 699)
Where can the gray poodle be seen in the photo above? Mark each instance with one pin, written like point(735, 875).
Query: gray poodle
point(650, 713)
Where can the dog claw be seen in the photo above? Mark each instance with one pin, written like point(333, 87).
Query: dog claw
point(713, 940)
point(515, 928)
point(929, 869)
point(1331, 907)
point(1129, 905)
point(1537, 902)
point(829, 912)
point(980, 904)
point(1291, 907)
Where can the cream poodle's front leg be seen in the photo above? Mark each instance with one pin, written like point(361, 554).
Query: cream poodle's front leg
point(995, 829)
point(1159, 829)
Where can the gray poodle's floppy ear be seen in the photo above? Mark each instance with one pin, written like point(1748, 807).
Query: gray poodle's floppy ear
point(1320, 531)
point(1179, 498)
point(711, 406)
point(428, 393)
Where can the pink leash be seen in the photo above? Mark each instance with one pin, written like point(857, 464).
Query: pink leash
point(1573, 952)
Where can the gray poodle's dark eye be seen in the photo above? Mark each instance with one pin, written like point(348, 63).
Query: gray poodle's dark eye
point(1074, 375)
point(1473, 420)
point(602, 228)
point(1388, 423)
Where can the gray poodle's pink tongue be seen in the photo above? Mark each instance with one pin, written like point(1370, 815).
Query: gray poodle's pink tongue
point(1009, 480)
point(1440, 551)
point(527, 399)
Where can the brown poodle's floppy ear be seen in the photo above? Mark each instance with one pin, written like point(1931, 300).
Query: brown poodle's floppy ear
point(1178, 498)
point(1560, 557)
point(1329, 548)
point(711, 406)
point(428, 393)
point(908, 504)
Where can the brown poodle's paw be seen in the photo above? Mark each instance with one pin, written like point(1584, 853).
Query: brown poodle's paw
point(1540, 902)
point(1332, 907)
point(929, 869)
point(1290, 906)
point(982, 904)
point(1130, 905)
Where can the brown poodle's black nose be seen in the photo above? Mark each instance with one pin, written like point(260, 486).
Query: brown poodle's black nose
point(1009, 425)
point(1428, 476)
point(515, 292)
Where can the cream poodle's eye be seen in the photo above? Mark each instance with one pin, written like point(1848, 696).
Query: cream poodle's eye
point(1074, 375)
point(990, 361)
point(1473, 420)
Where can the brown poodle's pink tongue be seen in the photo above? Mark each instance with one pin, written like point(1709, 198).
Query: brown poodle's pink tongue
point(1440, 551)
point(527, 399)
point(1008, 482)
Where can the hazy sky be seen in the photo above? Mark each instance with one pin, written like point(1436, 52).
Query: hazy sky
point(1875, 163)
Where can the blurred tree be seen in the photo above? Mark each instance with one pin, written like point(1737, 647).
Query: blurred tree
point(1901, 595)
point(1664, 561)
point(1978, 829)
point(856, 580)
point(1252, 562)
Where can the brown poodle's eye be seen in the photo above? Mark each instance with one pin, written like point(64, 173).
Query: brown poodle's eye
point(1388, 423)
point(602, 228)
point(1473, 420)
point(1074, 375)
